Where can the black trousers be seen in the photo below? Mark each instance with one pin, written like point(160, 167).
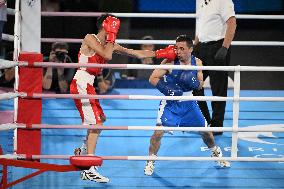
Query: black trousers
point(218, 81)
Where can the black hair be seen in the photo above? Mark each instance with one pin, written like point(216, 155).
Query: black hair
point(185, 38)
point(59, 45)
point(101, 19)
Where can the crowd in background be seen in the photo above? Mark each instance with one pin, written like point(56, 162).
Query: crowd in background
point(58, 79)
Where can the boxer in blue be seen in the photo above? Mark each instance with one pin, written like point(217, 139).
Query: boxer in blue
point(180, 113)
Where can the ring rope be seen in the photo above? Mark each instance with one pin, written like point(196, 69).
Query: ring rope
point(155, 15)
point(164, 42)
point(11, 95)
point(140, 97)
point(10, 126)
point(159, 158)
point(8, 37)
point(7, 96)
point(11, 11)
point(8, 64)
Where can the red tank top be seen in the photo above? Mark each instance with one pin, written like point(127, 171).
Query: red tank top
point(94, 59)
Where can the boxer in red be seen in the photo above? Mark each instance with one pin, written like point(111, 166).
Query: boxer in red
point(99, 49)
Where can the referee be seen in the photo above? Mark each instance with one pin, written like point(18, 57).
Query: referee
point(215, 30)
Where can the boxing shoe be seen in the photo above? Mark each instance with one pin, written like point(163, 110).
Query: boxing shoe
point(93, 175)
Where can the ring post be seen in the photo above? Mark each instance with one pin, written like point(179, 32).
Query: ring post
point(29, 110)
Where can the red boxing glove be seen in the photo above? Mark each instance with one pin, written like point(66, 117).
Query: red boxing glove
point(168, 53)
point(111, 26)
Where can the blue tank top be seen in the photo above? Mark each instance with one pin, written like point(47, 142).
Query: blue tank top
point(171, 77)
point(175, 106)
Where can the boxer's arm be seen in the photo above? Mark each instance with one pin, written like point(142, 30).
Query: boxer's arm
point(47, 79)
point(133, 53)
point(157, 80)
point(199, 73)
point(104, 51)
point(168, 52)
point(158, 74)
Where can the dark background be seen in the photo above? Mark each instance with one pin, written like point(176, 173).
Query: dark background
point(168, 29)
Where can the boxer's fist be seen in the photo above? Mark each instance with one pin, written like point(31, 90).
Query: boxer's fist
point(169, 89)
point(188, 81)
point(111, 26)
point(168, 53)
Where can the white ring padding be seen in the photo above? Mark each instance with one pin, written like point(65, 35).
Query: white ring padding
point(7, 96)
point(7, 64)
point(163, 158)
point(155, 15)
point(9, 126)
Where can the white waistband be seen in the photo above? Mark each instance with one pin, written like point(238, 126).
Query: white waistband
point(84, 76)
point(188, 93)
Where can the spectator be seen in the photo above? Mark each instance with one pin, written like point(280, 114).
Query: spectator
point(7, 76)
point(142, 74)
point(58, 79)
point(3, 18)
point(105, 82)
point(50, 5)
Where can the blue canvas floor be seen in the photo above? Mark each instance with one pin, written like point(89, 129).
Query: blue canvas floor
point(168, 174)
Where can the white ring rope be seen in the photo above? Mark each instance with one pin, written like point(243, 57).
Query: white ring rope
point(155, 15)
point(145, 158)
point(7, 64)
point(152, 97)
point(6, 96)
point(143, 66)
point(11, 11)
point(10, 126)
point(9, 156)
point(152, 15)
point(140, 97)
point(165, 42)
point(7, 37)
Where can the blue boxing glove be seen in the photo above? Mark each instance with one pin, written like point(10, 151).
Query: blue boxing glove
point(169, 89)
point(188, 81)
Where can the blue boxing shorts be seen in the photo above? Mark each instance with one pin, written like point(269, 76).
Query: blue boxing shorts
point(180, 114)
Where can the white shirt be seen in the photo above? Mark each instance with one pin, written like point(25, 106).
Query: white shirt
point(211, 19)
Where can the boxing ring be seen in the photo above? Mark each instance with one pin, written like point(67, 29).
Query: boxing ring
point(253, 141)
